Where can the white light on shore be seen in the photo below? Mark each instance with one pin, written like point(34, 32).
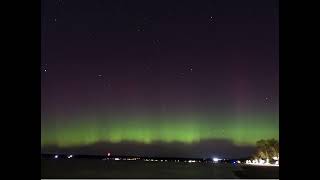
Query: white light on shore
point(117, 159)
point(216, 159)
point(56, 156)
point(263, 164)
point(261, 161)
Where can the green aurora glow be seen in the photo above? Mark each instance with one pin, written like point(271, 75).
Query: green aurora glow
point(86, 130)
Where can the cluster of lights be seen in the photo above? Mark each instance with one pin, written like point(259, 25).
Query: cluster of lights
point(236, 162)
point(131, 159)
point(123, 159)
point(57, 156)
point(261, 162)
point(151, 160)
point(186, 161)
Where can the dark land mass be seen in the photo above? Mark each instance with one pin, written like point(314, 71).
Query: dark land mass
point(258, 172)
point(97, 168)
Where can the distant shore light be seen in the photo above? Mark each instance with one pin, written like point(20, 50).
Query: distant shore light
point(216, 159)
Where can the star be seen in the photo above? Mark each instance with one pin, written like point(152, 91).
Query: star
point(44, 68)
point(211, 19)
point(267, 100)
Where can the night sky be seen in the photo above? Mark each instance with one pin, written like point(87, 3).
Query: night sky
point(162, 78)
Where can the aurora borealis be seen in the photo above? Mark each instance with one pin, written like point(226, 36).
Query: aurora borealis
point(185, 129)
point(159, 72)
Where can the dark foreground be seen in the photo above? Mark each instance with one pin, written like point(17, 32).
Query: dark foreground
point(86, 168)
